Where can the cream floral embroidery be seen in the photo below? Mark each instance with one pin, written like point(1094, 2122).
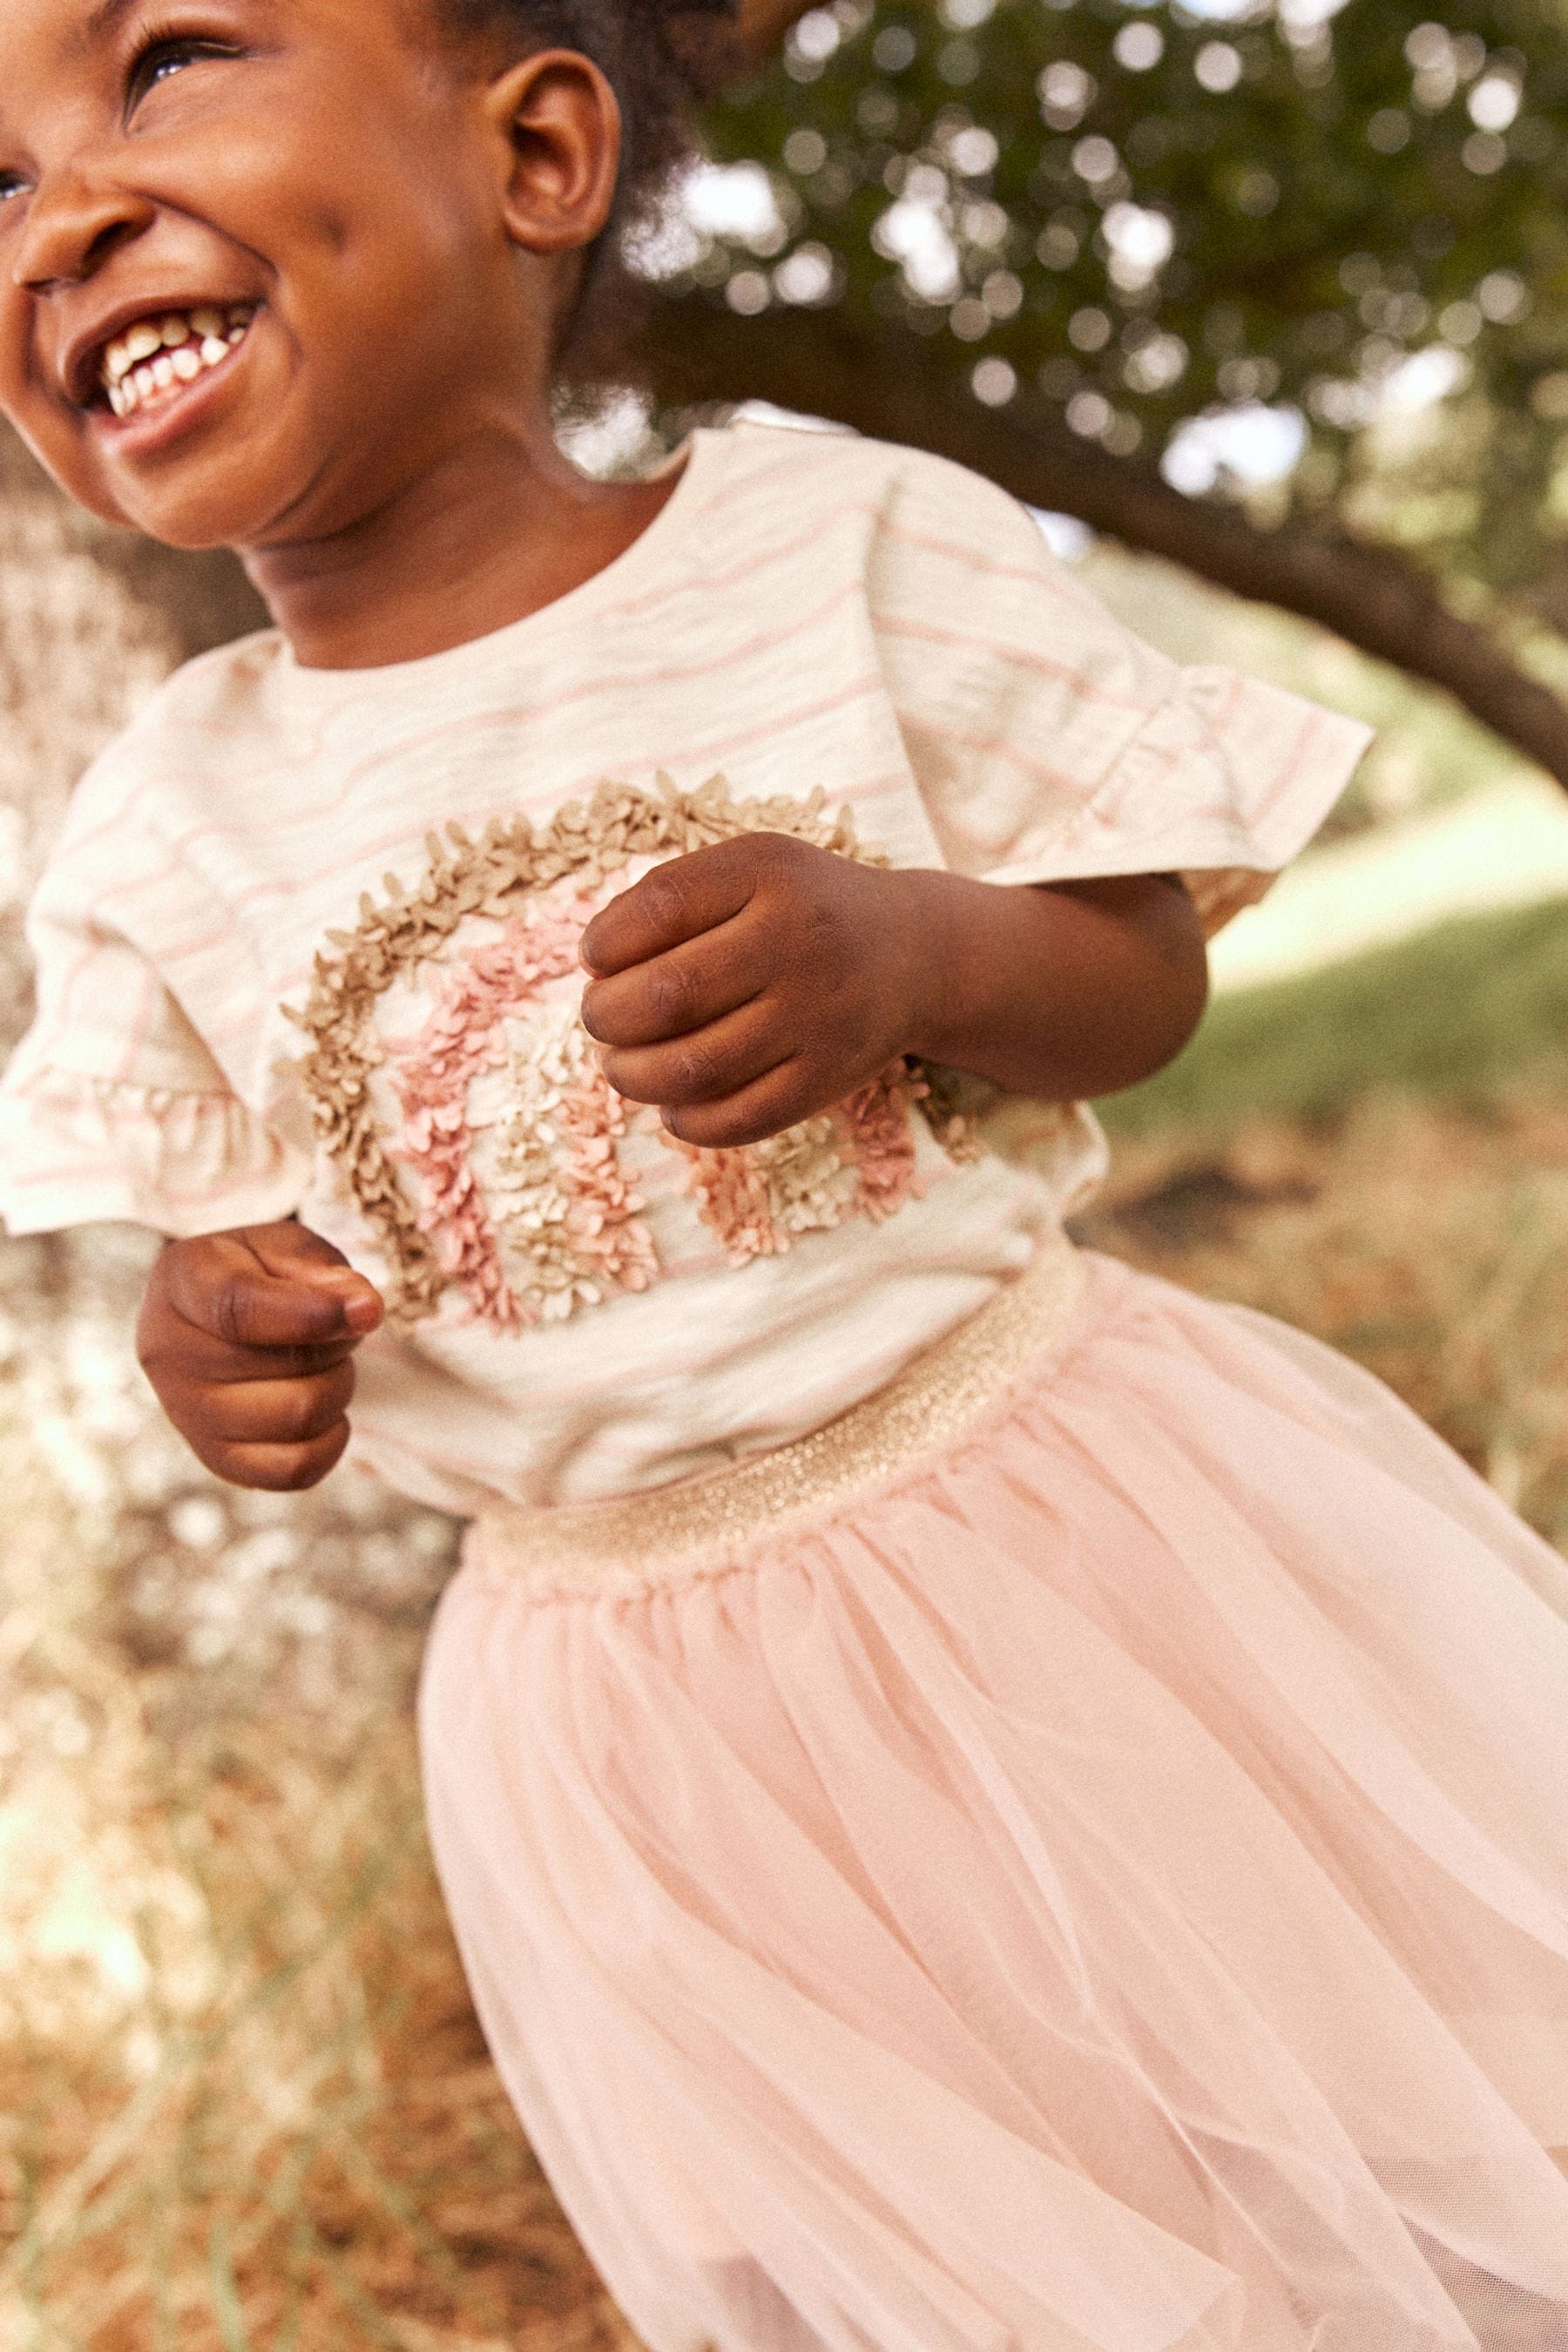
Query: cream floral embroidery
point(574, 1227)
point(573, 1213)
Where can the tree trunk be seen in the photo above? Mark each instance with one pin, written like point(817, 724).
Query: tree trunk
point(822, 364)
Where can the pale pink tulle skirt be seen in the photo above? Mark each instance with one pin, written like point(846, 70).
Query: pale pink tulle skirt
point(1103, 1888)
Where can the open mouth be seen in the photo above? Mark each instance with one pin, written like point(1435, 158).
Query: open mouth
point(160, 355)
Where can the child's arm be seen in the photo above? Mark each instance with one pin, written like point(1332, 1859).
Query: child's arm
point(742, 988)
point(247, 1337)
point(754, 983)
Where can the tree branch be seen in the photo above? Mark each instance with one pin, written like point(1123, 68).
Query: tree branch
point(821, 363)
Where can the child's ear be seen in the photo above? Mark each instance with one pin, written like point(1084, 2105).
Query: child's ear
point(561, 128)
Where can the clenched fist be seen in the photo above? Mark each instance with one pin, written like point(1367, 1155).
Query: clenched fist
point(752, 985)
point(247, 1338)
point(758, 981)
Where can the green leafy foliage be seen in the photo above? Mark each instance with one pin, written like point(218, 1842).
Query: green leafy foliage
point(1455, 1017)
point(1140, 214)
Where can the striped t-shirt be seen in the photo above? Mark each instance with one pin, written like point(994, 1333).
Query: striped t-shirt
point(308, 945)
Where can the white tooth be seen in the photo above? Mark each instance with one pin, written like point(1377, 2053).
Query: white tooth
point(118, 363)
point(146, 383)
point(117, 400)
point(207, 322)
point(187, 363)
point(164, 373)
point(175, 332)
point(144, 339)
point(238, 335)
point(130, 396)
point(213, 350)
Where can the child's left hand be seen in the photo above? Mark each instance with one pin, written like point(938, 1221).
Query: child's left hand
point(753, 983)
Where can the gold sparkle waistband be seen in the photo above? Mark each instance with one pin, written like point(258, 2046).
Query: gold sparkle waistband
point(635, 1539)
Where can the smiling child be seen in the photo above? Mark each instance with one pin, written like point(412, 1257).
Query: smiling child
point(989, 1805)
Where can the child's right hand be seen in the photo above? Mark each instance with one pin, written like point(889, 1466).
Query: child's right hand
point(247, 1337)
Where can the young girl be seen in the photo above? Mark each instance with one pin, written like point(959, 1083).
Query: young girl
point(989, 1805)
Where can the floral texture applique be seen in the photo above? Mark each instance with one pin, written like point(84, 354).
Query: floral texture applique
point(857, 1159)
point(465, 1036)
point(573, 1213)
point(526, 1208)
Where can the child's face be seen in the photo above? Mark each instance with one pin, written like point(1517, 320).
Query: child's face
point(317, 173)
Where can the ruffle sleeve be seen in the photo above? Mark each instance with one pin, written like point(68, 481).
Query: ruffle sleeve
point(1051, 744)
point(1226, 784)
point(77, 1151)
point(114, 1109)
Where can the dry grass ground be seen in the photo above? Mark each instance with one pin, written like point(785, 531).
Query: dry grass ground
point(248, 2105)
point(1430, 1243)
point(245, 2100)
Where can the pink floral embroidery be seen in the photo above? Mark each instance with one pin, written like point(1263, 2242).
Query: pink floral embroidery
point(857, 1159)
point(731, 1190)
point(465, 1036)
point(567, 1206)
point(882, 1142)
point(573, 1217)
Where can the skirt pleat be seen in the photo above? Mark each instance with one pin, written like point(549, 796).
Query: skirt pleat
point(1102, 1890)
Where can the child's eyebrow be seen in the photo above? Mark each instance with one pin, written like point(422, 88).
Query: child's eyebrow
point(105, 17)
point(105, 20)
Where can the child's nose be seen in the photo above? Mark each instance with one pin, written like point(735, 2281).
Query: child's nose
point(74, 222)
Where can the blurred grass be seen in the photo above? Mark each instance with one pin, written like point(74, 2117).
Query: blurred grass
point(1429, 1242)
point(1450, 1016)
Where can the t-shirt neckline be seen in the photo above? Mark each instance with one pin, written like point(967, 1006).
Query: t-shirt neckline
point(691, 458)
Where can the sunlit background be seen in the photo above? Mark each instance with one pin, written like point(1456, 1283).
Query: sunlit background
point(1262, 310)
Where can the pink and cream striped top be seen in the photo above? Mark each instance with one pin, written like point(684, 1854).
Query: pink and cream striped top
point(308, 944)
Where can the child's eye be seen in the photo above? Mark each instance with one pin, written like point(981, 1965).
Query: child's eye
point(163, 57)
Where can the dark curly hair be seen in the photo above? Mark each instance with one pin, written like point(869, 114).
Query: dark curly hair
point(662, 58)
